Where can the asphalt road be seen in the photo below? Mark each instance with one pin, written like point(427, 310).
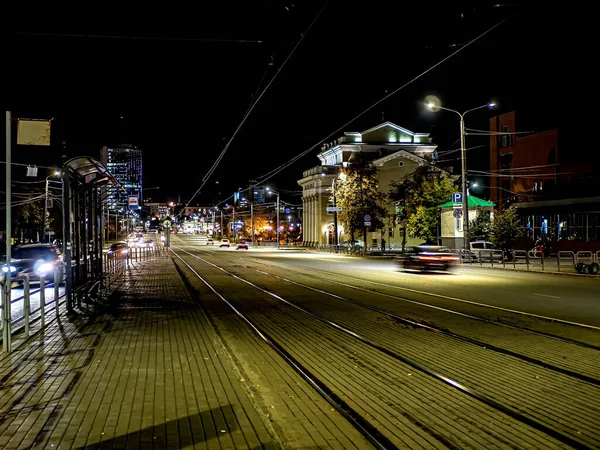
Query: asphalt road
point(571, 298)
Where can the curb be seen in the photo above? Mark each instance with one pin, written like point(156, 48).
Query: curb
point(582, 275)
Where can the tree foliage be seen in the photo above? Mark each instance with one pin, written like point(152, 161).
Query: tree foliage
point(260, 222)
point(30, 213)
point(479, 228)
point(505, 229)
point(357, 192)
point(418, 197)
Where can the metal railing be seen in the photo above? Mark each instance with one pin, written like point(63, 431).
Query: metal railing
point(19, 314)
point(27, 317)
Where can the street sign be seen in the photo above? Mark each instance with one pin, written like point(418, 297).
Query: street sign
point(368, 218)
point(167, 224)
point(457, 213)
point(457, 197)
point(287, 210)
point(367, 224)
point(133, 202)
point(333, 208)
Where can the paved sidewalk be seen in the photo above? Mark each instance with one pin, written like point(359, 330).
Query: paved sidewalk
point(145, 370)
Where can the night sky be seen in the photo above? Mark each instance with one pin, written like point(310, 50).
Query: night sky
point(177, 82)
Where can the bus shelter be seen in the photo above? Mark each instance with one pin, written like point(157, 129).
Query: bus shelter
point(84, 200)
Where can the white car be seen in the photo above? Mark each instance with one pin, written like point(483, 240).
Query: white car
point(224, 243)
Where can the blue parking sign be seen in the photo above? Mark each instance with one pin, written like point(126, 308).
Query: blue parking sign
point(457, 197)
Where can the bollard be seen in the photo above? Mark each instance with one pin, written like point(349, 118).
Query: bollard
point(542, 260)
point(26, 304)
point(42, 302)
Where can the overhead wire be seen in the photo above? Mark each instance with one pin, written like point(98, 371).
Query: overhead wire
point(275, 171)
point(254, 103)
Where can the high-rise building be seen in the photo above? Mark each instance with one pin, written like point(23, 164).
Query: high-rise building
point(257, 193)
point(125, 163)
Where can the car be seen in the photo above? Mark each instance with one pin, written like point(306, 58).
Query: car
point(426, 258)
point(146, 243)
point(353, 243)
point(241, 244)
point(210, 241)
point(35, 261)
point(224, 243)
point(118, 248)
point(486, 251)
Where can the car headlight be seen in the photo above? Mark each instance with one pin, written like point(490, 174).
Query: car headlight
point(12, 269)
point(42, 268)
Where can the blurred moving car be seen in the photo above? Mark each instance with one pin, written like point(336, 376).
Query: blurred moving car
point(224, 243)
point(118, 248)
point(35, 261)
point(145, 243)
point(353, 243)
point(427, 258)
point(241, 244)
point(210, 241)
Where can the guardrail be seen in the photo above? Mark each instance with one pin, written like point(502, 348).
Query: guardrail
point(11, 325)
point(533, 260)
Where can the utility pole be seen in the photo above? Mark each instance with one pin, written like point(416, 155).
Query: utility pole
point(45, 221)
point(277, 219)
point(464, 173)
point(335, 218)
point(6, 320)
point(221, 223)
point(252, 219)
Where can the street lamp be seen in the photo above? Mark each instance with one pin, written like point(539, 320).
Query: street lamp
point(55, 174)
point(271, 191)
point(465, 201)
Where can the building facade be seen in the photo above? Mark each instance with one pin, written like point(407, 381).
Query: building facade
point(395, 151)
point(557, 194)
point(124, 162)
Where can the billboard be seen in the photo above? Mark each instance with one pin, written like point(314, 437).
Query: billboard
point(33, 132)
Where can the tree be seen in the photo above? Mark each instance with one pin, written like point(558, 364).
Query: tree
point(506, 229)
point(30, 220)
point(260, 222)
point(357, 192)
point(479, 228)
point(418, 197)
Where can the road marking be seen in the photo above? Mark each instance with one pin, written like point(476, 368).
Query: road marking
point(544, 295)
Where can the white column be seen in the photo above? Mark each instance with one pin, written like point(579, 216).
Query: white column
point(317, 228)
point(313, 215)
point(311, 219)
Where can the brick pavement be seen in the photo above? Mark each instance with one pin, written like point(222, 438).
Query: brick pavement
point(143, 370)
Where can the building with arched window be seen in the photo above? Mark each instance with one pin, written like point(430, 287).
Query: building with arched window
point(395, 151)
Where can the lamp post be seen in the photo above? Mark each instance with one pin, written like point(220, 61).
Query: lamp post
point(465, 200)
point(57, 173)
point(277, 193)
